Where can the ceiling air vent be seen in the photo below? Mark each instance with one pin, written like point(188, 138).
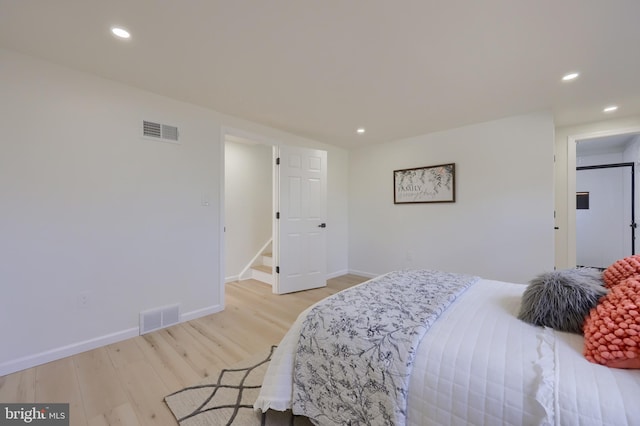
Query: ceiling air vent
point(161, 132)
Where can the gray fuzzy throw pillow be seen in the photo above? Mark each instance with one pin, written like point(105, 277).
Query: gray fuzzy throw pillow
point(562, 299)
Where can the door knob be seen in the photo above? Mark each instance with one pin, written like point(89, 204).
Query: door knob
point(322, 225)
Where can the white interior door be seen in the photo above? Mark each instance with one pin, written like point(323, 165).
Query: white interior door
point(300, 247)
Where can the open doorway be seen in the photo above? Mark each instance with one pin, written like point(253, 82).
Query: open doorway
point(275, 213)
point(605, 198)
point(248, 209)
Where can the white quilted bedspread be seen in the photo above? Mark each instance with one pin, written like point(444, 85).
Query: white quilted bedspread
point(480, 365)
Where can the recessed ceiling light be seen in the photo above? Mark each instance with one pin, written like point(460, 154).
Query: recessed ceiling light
point(120, 32)
point(570, 76)
point(360, 130)
point(610, 108)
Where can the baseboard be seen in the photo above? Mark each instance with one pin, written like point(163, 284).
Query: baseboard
point(29, 361)
point(363, 274)
point(231, 279)
point(337, 274)
point(198, 313)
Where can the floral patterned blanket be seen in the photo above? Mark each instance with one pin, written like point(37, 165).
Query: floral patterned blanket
point(356, 349)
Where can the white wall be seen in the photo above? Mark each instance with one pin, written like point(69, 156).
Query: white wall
point(248, 203)
point(565, 183)
point(89, 207)
point(631, 152)
point(337, 223)
point(501, 225)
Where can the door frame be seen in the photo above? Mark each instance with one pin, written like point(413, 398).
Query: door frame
point(254, 137)
point(572, 140)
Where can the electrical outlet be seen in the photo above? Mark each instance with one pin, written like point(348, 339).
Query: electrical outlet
point(83, 299)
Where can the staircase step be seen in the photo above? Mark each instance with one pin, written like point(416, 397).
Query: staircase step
point(267, 259)
point(263, 268)
point(262, 273)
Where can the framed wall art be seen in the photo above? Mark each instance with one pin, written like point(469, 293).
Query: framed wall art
point(431, 184)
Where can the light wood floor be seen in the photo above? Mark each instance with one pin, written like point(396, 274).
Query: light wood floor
point(125, 383)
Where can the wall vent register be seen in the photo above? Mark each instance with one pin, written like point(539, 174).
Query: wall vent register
point(155, 319)
point(159, 131)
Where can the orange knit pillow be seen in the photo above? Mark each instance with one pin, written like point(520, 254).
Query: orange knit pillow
point(612, 329)
point(621, 269)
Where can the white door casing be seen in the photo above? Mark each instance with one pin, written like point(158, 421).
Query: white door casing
point(300, 252)
point(565, 246)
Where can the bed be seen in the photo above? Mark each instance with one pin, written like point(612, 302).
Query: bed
point(474, 363)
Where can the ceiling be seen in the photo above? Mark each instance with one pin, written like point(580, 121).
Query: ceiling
point(320, 69)
point(605, 144)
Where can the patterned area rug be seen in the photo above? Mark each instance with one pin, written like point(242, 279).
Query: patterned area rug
point(227, 398)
